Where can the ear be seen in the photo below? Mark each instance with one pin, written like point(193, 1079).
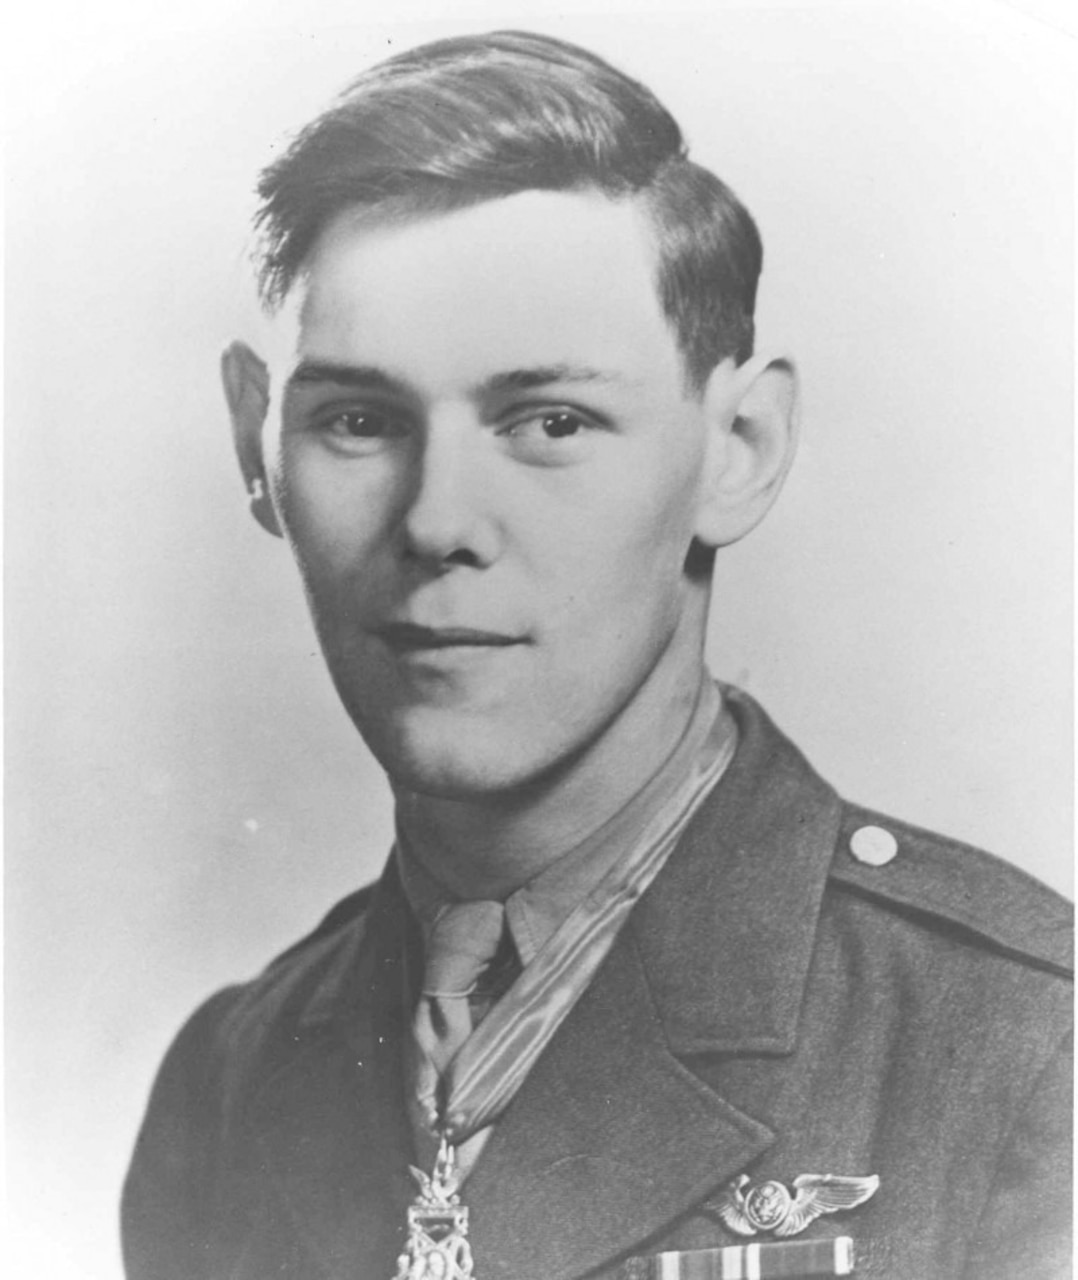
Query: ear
point(247, 390)
point(753, 420)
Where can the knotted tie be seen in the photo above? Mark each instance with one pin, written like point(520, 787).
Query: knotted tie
point(461, 947)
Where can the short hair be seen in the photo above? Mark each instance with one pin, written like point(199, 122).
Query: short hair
point(462, 121)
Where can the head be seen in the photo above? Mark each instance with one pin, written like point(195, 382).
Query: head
point(519, 408)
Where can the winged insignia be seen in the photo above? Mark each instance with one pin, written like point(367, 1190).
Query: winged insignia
point(769, 1207)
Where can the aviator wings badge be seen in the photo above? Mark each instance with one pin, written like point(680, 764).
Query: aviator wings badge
point(769, 1207)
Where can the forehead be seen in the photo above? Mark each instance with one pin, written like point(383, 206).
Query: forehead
point(538, 277)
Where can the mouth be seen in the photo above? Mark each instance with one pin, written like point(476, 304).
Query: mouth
point(408, 637)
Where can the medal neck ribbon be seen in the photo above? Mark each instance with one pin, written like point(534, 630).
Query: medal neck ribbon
point(460, 1097)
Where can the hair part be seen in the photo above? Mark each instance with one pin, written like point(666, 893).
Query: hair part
point(463, 121)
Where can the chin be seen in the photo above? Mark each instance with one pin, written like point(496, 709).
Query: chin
point(453, 757)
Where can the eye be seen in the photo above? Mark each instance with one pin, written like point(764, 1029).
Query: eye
point(550, 436)
point(365, 424)
point(553, 424)
point(360, 429)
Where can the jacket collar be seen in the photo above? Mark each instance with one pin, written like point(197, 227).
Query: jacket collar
point(713, 960)
point(727, 931)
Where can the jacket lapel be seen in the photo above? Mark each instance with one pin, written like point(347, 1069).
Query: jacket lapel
point(609, 1140)
point(614, 1135)
point(728, 929)
point(330, 1123)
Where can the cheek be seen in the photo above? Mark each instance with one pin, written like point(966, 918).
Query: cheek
point(332, 517)
point(620, 565)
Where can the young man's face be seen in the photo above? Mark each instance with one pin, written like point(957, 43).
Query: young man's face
point(489, 468)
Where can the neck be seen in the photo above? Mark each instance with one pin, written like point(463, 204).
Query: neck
point(487, 846)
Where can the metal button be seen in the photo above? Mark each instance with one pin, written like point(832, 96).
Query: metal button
point(873, 846)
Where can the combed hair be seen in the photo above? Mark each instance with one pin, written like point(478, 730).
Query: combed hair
point(461, 121)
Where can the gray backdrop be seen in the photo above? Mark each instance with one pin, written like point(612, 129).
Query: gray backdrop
point(184, 795)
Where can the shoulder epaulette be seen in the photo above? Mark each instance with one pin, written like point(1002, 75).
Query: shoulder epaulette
point(931, 875)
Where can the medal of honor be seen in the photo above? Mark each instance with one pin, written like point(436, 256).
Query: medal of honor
point(437, 1247)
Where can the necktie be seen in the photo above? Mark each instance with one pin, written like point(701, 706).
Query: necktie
point(461, 947)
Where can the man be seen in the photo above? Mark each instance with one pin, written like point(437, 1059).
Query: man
point(637, 994)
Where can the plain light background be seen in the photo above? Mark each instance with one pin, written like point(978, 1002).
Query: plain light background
point(185, 796)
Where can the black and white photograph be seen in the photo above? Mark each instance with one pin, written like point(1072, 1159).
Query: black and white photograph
point(539, 666)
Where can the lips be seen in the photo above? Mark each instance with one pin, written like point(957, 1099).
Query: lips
point(408, 637)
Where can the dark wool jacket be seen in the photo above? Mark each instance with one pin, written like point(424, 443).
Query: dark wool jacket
point(774, 1006)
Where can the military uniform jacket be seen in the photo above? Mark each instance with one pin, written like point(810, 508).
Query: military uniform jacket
point(773, 1007)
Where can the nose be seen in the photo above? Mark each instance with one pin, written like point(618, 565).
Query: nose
point(447, 519)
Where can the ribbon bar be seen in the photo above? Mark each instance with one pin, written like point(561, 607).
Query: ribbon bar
point(792, 1259)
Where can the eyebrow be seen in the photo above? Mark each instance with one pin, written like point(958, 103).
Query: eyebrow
point(370, 378)
point(361, 377)
point(544, 375)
